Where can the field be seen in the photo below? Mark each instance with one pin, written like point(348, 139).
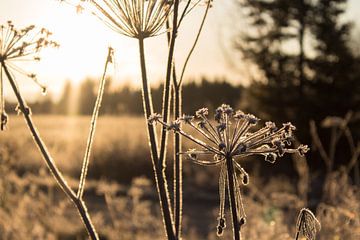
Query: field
point(120, 191)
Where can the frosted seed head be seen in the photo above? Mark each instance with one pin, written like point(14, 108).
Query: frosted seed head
point(219, 231)
point(201, 124)
point(242, 221)
point(155, 117)
point(227, 109)
point(288, 127)
point(221, 127)
point(288, 140)
point(302, 149)
point(239, 115)
point(202, 113)
point(279, 147)
point(133, 18)
point(222, 222)
point(270, 157)
point(218, 115)
point(271, 126)
point(241, 148)
point(222, 146)
point(252, 119)
point(245, 178)
point(174, 125)
point(187, 118)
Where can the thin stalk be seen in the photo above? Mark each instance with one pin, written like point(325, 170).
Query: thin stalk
point(178, 188)
point(231, 187)
point(195, 42)
point(91, 136)
point(160, 178)
point(80, 205)
point(167, 92)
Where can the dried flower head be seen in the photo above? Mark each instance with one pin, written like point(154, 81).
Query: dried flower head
point(133, 18)
point(230, 136)
point(307, 224)
point(23, 44)
point(20, 45)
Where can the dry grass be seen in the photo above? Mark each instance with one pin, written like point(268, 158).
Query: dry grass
point(120, 153)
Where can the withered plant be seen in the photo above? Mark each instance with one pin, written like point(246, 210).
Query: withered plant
point(224, 143)
point(141, 19)
point(25, 45)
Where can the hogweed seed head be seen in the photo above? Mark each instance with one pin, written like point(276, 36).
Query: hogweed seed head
point(132, 18)
point(20, 45)
point(202, 112)
point(23, 44)
point(154, 118)
point(231, 136)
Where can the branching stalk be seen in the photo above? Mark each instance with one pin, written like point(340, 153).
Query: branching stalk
point(48, 159)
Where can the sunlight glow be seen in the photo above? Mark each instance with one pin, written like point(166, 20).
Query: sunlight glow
point(84, 41)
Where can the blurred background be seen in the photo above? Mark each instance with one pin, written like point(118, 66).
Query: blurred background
point(282, 60)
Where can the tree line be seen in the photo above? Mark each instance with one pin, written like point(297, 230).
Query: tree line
point(127, 100)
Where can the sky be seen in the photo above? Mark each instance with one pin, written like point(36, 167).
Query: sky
point(84, 41)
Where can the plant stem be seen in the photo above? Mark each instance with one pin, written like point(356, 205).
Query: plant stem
point(160, 178)
point(177, 175)
point(49, 161)
point(195, 42)
point(91, 136)
point(231, 187)
point(178, 197)
point(167, 92)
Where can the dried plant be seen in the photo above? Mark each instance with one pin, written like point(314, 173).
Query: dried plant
point(24, 44)
point(307, 225)
point(18, 45)
point(225, 143)
point(137, 19)
point(141, 19)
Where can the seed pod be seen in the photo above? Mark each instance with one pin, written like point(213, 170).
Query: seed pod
point(219, 231)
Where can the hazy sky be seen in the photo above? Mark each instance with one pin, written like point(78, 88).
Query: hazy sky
point(84, 41)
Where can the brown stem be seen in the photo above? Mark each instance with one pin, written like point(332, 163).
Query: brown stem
point(233, 205)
